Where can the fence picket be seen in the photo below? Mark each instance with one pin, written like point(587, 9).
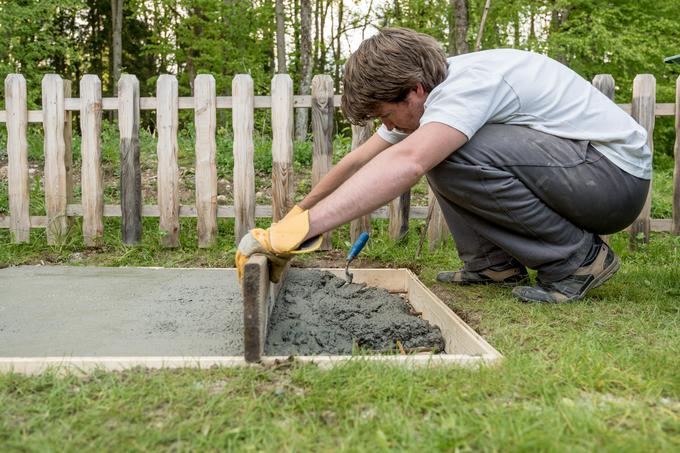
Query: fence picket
point(17, 157)
point(676, 169)
point(322, 129)
point(282, 145)
point(68, 143)
point(244, 152)
point(605, 84)
point(360, 134)
point(55, 159)
point(437, 228)
point(92, 209)
point(92, 186)
point(399, 215)
point(644, 99)
point(167, 125)
point(130, 170)
point(205, 120)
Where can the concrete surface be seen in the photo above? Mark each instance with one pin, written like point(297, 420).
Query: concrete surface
point(98, 311)
point(318, 313)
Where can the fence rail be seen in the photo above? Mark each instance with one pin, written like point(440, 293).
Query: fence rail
point(56, 117)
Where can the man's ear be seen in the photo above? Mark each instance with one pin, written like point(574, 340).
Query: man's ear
point(420, 91)
point(419, 88)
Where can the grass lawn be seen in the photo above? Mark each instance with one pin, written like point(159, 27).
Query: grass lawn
point(601, 374)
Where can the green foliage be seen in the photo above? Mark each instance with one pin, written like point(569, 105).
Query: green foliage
point(216, 37)
point(428, 17)
point(37, 38)
point(662, 187)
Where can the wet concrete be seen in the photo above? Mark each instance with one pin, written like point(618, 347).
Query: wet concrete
point(97, 311)
point(317, 313)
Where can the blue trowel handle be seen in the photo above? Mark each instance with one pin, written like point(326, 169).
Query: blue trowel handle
point(358, 245)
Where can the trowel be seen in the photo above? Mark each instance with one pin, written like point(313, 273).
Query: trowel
point(353, 252)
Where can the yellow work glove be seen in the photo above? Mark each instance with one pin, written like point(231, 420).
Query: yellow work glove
point(295, 210)
point(279, 243)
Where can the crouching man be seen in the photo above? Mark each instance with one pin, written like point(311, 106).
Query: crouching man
point(529, 162)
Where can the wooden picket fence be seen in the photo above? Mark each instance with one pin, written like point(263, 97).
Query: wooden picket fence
point(58, 106)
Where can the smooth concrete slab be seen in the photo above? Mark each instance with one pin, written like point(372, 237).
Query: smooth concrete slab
point(100, 311)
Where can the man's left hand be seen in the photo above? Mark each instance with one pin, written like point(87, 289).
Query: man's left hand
point(279, 243)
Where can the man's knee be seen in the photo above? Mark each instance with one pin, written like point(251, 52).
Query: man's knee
point(459, 183)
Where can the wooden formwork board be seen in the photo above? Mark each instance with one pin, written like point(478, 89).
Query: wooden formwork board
point(463, 346)
point(461, 343)
point(259, 295)
point(84, 365)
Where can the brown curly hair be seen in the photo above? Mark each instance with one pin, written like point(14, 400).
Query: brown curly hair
point(386, 67)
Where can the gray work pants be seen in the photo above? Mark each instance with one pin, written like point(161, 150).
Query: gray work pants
point(515, 192)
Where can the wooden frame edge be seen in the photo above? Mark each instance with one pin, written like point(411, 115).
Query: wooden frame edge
point(84, 365)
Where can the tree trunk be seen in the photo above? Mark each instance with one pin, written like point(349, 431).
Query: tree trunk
point(557, 19)
point(478, 44)
point(280, 38)
point(197, 30)
point(302, 115)
point(116, 42)
point(321, 43)
point(516, 36)
point(397, 10)
point(294, 63)
point(367, 20)
point(458, 28)
point(269, 38)
point(317, 34)
point(338, 37)
point(532, 29)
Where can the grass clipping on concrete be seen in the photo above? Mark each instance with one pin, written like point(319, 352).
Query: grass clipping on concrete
point(600, 374)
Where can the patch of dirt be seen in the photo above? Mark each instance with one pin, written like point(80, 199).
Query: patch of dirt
point(336, 258)
point(449, 295)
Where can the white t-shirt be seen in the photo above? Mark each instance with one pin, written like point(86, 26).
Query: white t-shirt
point(524, 88)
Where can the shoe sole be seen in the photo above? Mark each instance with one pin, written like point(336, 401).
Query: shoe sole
point(606, 274)
point(485, 283)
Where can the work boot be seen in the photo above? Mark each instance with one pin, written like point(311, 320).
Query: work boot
point(598, 267)
point(505, 274)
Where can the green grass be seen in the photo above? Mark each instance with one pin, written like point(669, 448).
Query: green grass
point(601, 374)
point(662, 187)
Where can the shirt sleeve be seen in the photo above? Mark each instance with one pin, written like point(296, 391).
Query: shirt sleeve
point(468, 99)
point(391, 136)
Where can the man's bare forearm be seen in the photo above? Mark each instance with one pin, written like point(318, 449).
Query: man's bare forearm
point(385, 177)
point(344, 169)
point(331, 181)
point(361, 195)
